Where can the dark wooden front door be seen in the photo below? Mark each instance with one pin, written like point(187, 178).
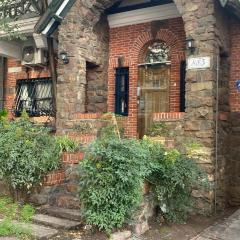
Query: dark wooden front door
point(153, 94)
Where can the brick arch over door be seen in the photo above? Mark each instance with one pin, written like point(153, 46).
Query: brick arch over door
point(177, 47)
point(140, 36)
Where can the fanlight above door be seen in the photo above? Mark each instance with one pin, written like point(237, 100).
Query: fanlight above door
point(158, 52)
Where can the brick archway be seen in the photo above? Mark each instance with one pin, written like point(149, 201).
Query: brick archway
point(132, 51)
point(138, 47)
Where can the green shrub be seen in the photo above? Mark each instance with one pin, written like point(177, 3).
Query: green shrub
point(113, 172)
point(173, 177)
point(112, 175)
point(3, 113)
point(65, 144)
point(27, 152)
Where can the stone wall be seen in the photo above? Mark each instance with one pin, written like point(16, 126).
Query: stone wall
point(201, 84)
point(82, 84)
point(207, 23)
point(223, 72)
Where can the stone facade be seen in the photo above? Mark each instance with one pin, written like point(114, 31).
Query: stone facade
point(208, 24)
point(87, 43)
point(86, 86)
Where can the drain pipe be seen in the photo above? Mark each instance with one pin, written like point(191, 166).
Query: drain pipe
point(216, 136)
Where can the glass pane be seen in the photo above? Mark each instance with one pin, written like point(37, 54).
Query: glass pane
point(158, 52)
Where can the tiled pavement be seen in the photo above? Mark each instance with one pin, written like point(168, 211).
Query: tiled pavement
point(226, 230)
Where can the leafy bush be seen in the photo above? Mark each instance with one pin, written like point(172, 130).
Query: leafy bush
point(173, 177)
point(112, 176)
point(3, 113)
point(158, 129)
point(27, 152)
point(114, 170)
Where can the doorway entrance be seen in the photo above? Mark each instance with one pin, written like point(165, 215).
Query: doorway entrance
point(153, 85)
point(154, 94)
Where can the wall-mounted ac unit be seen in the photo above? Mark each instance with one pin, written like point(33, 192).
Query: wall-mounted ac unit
point(32, 56)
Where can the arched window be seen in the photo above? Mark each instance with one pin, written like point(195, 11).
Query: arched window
point(158, 52)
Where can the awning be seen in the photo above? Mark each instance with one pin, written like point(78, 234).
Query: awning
point(232, 6)
point(53, 17)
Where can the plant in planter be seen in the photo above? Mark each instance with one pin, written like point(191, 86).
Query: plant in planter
point(66, 144)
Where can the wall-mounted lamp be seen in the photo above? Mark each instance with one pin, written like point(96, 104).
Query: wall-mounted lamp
point(190, 43)
point(64, 57)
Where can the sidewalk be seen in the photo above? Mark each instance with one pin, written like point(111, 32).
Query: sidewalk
point(227, 230)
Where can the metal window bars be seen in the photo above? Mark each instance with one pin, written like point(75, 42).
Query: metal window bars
point(35, 96)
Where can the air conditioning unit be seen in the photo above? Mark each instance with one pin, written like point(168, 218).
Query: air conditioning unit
point(32, 56)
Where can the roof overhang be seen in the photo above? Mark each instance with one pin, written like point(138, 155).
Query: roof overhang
point(25, 27)
point(53, 17)
point(232, 6)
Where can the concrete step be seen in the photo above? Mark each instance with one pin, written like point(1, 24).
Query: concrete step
point(42, 232)
point(55, 222)
point(37, 231)
point(70, 214)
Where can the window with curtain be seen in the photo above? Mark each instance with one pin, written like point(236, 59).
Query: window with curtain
point(35, 96)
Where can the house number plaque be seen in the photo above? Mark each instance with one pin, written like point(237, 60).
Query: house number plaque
point(198, 63)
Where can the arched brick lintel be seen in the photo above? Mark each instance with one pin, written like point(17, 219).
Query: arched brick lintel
point(139, 46)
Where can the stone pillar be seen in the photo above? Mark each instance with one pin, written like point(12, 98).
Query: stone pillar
point(199, 22)
point(71, 85)
point(84, 36)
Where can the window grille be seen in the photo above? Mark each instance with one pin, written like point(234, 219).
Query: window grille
point(122, 91)
point(35, 96)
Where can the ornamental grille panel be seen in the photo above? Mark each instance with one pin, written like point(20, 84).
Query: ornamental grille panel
point(17, 9)
point(35, 96)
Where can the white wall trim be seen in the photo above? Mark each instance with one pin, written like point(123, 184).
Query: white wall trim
point(25, 26)
point(10, 49)
point(160, 12)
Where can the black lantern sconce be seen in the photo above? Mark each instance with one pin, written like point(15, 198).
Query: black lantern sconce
point(64, 57)
point(190, 44)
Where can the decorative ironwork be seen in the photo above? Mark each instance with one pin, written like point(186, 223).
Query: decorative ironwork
point(158, 52)
point(35, 96)
point(17, 9)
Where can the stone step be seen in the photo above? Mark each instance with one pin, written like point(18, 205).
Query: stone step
point(37, 231)
point(65, 200)
point(55, 222)
point(70, 214)
point(42, 232)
